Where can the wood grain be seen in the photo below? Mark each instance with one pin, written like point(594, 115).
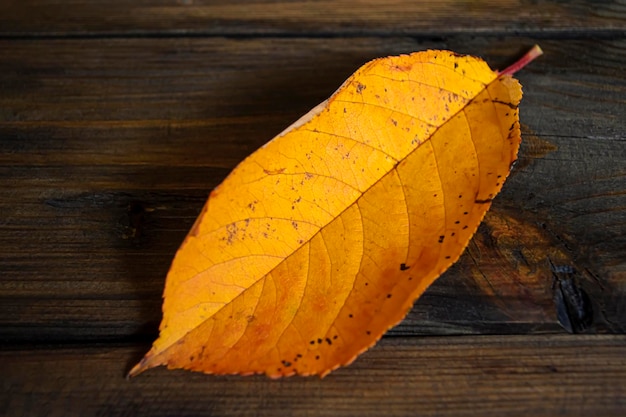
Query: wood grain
point(440, 376)
point(118, 117)
point(311, 18)
point(110, 147)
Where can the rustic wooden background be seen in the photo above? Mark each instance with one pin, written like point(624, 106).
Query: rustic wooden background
point(118, 117)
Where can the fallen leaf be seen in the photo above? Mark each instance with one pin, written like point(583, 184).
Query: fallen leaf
point(320, 241)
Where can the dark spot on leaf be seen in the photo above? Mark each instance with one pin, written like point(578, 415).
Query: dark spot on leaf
point(335, 337)
point(388, 295)
point(286, 363)
point(317, 357)
point(368, 332)
point(360, 87)
point(464, 227)
point(506, 103)
point(350, 315)
point(457, 222)
point(312, 342)
point(485, 201)
point(404, 267)
point(447, 257)
point(441, 238)
point(329, 341)
point(395, 123)
point(319, 340)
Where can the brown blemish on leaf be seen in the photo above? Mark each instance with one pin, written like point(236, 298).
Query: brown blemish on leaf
point(231, 233)
point(196, 225)
point(274, 171)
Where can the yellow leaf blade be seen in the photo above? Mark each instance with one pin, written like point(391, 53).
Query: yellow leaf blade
point(321, 240)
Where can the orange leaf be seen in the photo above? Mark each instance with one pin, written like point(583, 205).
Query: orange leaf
point(321, 240)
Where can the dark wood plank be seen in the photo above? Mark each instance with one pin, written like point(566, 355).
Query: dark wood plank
point(442, 376)
point(108, 149)
point(118, 117)
point(310, 18)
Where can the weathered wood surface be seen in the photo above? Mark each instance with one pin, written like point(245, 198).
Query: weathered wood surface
point(109, 148)
point(548, 18)
point(118, 118)
point(442, 376)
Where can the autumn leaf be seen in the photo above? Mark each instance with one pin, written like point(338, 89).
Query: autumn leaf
point(320, 241)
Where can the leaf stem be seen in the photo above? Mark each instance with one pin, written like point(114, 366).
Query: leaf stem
point(529, 56)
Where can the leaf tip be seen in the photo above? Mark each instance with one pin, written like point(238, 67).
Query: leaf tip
point(136, 370)
point(144, 364)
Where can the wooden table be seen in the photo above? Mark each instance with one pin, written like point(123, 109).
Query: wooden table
point(118, 117)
